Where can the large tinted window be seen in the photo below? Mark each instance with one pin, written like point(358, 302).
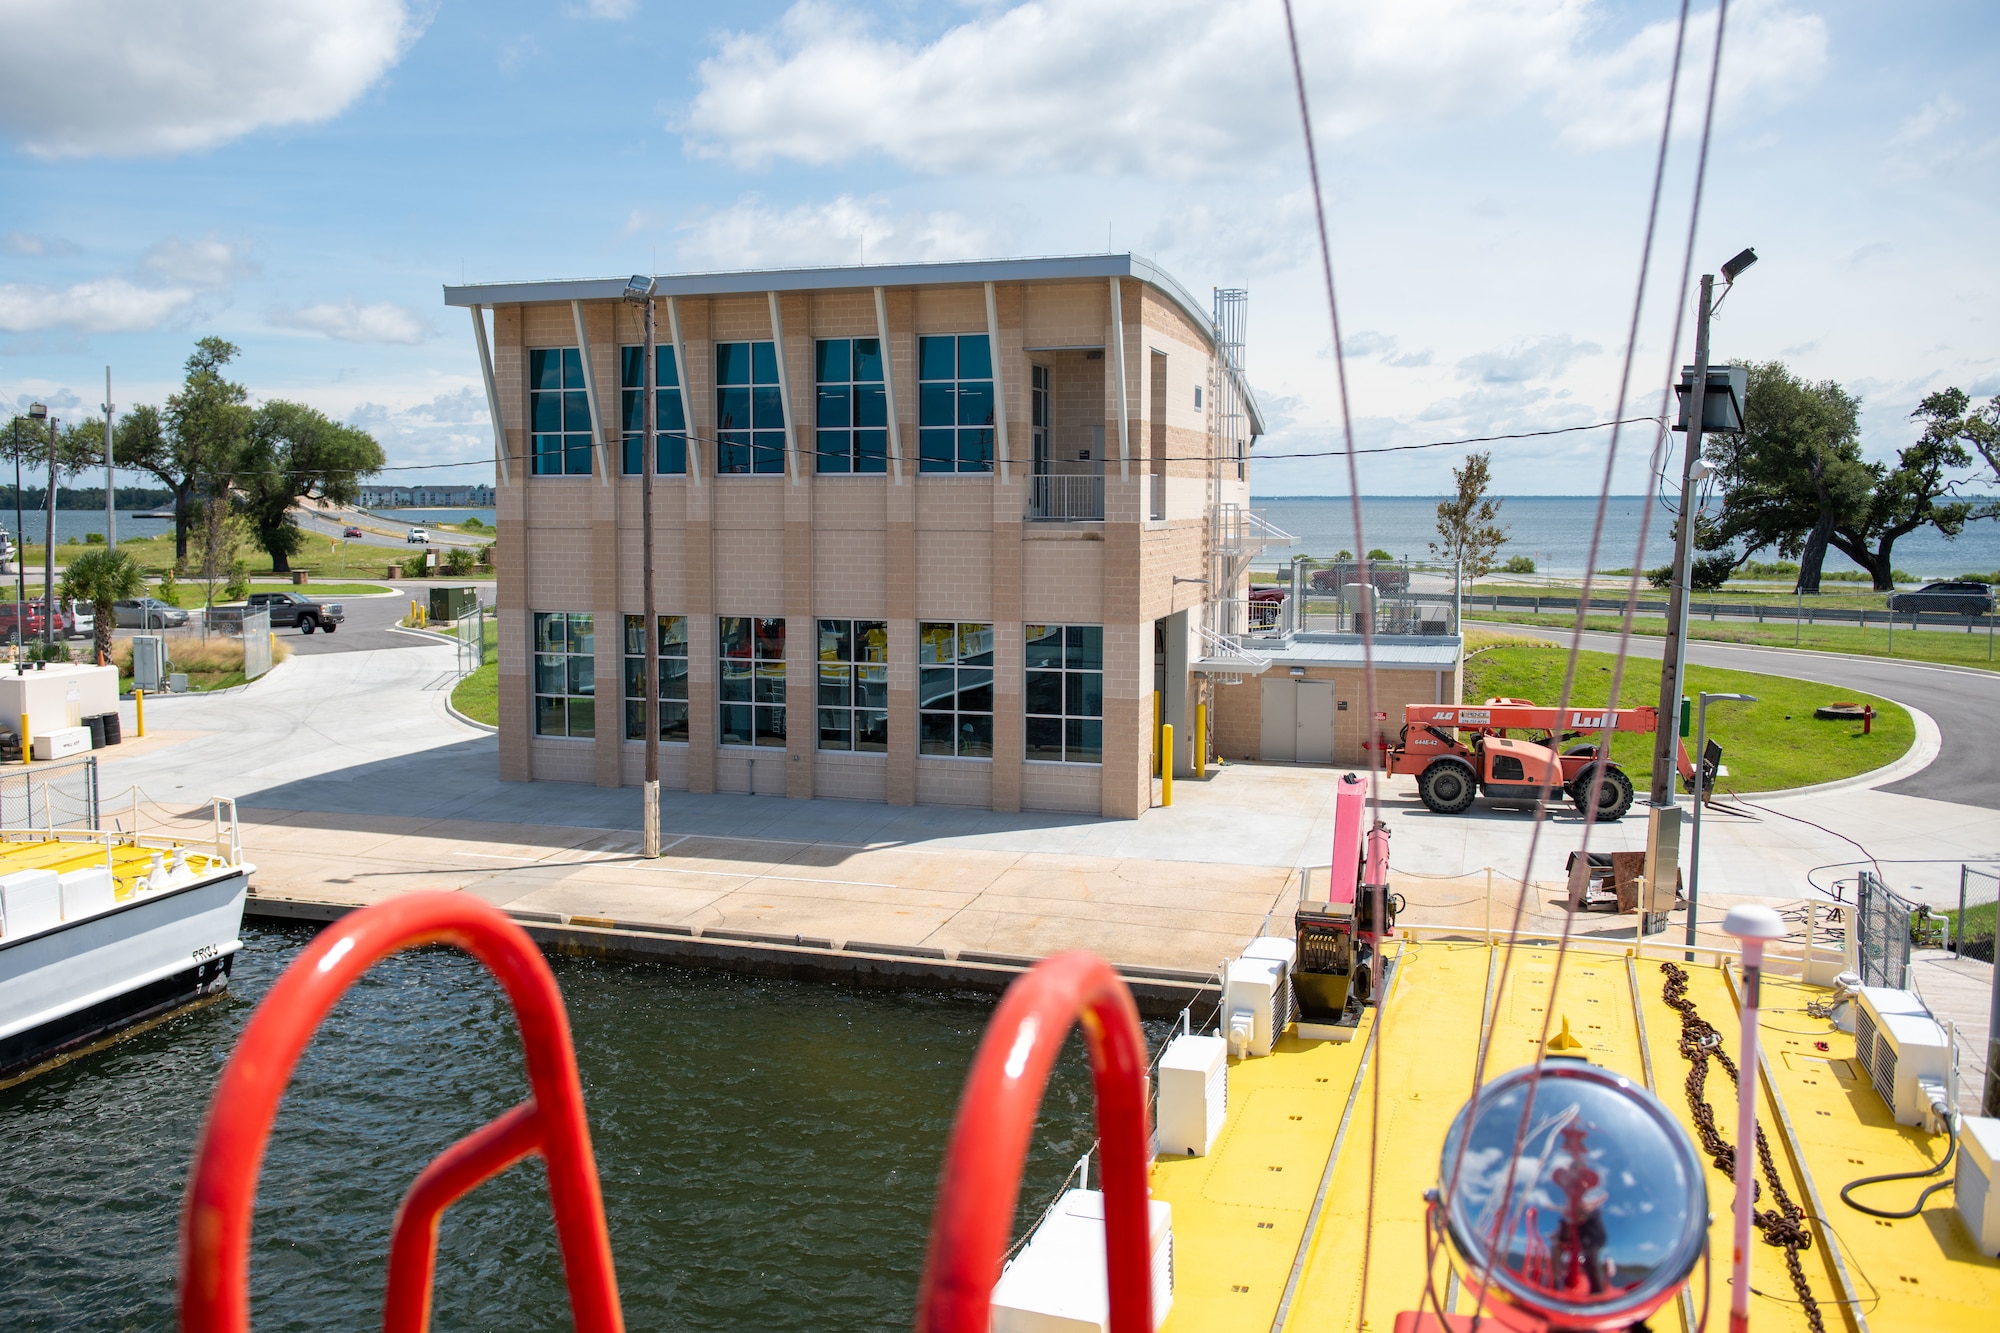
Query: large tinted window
point(749, 409)
point(558, 412)
point(851, 409)
point(955, 409)
point(669, 413)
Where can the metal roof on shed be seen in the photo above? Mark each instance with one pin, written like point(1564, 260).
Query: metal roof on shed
point(1432, 652)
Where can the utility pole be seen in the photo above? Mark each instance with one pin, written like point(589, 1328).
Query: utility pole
point(110, 489)
point(35, 411)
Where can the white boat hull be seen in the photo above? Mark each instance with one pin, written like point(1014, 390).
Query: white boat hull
point(77, 982)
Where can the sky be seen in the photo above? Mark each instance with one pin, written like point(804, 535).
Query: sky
point(302, 177)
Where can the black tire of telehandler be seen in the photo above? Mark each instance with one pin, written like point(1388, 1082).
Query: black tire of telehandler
point(1448, 786)
point(1613, 799)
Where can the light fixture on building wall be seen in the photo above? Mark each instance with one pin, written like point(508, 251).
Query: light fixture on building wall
point(1298, 673)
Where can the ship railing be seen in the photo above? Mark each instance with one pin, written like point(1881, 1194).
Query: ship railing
point(226, 835)
point(550, 1122)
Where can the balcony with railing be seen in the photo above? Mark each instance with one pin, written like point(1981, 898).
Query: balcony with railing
point(1066, 498)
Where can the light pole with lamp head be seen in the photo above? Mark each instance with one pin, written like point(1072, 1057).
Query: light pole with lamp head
point(1701, 799)
point(639, 291)
point(1711, 403)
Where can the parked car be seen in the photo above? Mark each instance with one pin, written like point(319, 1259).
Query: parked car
point(419, 537)
point(30, 619)
point(294, 608)
point(1962, 596)
point(79, 619)
point(147, 613)
point(350, 531)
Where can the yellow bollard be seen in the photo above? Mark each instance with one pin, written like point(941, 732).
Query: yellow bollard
point(139, 706)
point(1156, 733)
point(27, 742)
point(1167, 764)
point(1201, 740)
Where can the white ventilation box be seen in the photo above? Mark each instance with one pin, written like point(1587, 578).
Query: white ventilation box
point(1194, 1095)
point(1974, 1186)
point(1901, 1048)
point(1057, 1283)
point(61, 742)
point(30, 901)
point(1257, 996)
point(86, 893)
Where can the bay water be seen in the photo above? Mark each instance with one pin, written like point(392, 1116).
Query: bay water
point(769, 1151)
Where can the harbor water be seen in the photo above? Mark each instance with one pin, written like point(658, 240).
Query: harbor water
point(1554, 531)
point(769, 1151)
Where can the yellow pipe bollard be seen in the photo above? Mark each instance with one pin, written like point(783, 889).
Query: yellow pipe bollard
point(1167, 764)
point(139, 706)
point(1201, 740)
point(1156, 733)
point(27, 742)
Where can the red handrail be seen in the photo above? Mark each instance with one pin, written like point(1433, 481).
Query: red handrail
point(222, 1188)
point(981, 1181)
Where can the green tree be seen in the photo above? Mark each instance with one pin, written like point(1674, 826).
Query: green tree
point(192, 446)
point(102, 577)
point(1791, 477)
point(1919, 492)
point(293, 452)
point(1471, 537)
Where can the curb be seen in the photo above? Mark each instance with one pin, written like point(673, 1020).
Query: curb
point(1923, 751)
point(463, 718)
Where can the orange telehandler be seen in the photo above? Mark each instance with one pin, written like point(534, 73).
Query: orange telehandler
point(1461, 751)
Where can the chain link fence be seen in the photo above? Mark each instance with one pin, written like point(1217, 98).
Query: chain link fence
point(53, 794)
point(1972, 924)
point(1882, 933)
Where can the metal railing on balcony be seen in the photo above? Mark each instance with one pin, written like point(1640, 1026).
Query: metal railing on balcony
point(1059, 498)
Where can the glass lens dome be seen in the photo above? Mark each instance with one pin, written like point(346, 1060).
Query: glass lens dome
point(1581, 1192)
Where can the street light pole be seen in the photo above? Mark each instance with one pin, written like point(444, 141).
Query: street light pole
point(110, 489)
point(49, 551)
point(1663, 822)
point(640, 289)
point(1701, 799)
point(35, 411)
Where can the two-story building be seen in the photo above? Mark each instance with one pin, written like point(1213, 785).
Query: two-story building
point(938, 533)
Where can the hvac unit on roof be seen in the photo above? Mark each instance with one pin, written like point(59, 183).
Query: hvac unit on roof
point(1903, 1050)
point(1194, 1095)
point(1056, 1284)
point(1974, 1185)
point(1257, 995)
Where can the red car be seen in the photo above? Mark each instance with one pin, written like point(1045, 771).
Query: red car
point(29, 622)
point(350, 531)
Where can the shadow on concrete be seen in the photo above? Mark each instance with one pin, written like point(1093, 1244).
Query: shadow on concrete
point(457, 782)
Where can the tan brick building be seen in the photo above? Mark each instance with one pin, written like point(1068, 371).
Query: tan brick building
point(929, 533)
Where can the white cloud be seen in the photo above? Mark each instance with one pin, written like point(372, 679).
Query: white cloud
point(606, 9)
point(22, 243)
point(103, 305)
point(848, 230)
point(206, 263)
point(346, 321)
point(1531, 359)
point(1181, 87)
point(145, 77)
point(451, 427)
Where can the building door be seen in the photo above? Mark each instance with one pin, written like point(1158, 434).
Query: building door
point(1039, 400)
point(1297, 721)
point(1315, 722)
point(1278, 738)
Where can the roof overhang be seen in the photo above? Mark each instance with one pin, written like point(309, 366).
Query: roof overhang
point(1056, 268)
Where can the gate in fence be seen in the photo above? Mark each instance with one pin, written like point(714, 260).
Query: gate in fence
point(1882, 933)
point(471, 632)
point(256, 643)
point(55, 794)
point(1973, 929)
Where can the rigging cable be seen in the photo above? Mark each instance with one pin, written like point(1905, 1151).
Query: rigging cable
point(1367, 629)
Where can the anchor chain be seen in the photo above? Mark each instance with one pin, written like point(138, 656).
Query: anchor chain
point(1782, 1226)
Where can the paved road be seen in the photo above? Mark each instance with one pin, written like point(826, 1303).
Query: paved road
point(1964, 702)
point(1877, 619)
point(332, 522)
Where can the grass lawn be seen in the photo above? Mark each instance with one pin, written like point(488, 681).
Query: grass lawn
point(1925, 645)
point(156, 555)
point(215, 663)
point(1833, 596)
point(1767, 746)
point(478, 694)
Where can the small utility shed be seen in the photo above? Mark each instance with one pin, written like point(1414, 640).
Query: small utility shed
point(1310, 705)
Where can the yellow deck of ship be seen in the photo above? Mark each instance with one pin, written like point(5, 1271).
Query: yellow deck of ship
point(1272, 1228)
point(130, 863)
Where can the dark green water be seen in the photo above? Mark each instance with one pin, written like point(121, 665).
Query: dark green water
point(768, 1150)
